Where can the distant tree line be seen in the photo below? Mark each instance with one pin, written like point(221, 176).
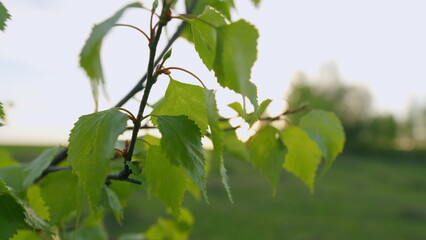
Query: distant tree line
point(366, 131)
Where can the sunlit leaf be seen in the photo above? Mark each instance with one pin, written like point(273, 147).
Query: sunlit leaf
point(167, 181)
point(181, 142)
point(327, 131)
point(235, 56)
point(26, 234)
point(184, 99)
point(267, 154)
point(205, 35)
point(91, 147)
point(90, 57)
point(37, 166)
point(217, 138)
point(4, 16)
point(37, 203)
point(12, 215)
point(303, 155)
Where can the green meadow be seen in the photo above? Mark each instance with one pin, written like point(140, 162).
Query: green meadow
point(360, 198)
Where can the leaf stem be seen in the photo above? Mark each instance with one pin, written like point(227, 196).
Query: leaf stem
point(134, 27)
point(184, 70)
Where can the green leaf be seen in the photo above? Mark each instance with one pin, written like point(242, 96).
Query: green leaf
point(263, 106)
point(4, 16)
point(205, 35)
point(223, 6)
point(217, 138)
point(90, 58)
point(113, 203)
point(267, 154)
point(13, 176)
point(303, 155)
point(166, 229)
point(167, 55)
point(25, 234)
point(37, 203)
point(326, 130)
point(167, 181)
point(5, 159)
point(235, 56)
point(184, 99)
point(256, 2)
point(91, 147)
point(53, 189)
point(123, 190)
point(237, 107)
point(35, 221)
point(181, 141)
point(36, 167)
point(12, 215)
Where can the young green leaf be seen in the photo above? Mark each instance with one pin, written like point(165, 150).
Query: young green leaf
point(112, 202)
point(326, 130)
point(267, 154)
point(217, 138)
point(36, 167)
point(167, 55)
point(235, 56)
point(4, 16)
point(237, 107)
point(205, 35)
point(223, 6)
point(90, 58)
point(181, 142)
point(167, 181)
point(91, 147)
point(263, 106)
point(184, 99)
point(26, 234)
point(53, 188)
point(37, 203)
point(303, 155)
point(12, 215)
point(13, 177)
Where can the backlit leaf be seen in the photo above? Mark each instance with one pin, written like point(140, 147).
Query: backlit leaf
point(4, 16)
point(37, 166)
point(90, 58)
point(167, 181)
point(53, 189)
point(37, 203)
point(181, 142)
point(12, 215)
point(235, 56)
point(303, 155)
point(267, 154)
point(184, 99)
point(205, 35)
point(217, 138)
point(327, 131)
point(91, 147)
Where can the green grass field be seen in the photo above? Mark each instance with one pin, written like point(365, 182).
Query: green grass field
point(359, 198)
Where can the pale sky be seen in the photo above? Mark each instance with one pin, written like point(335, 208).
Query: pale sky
point(379, 44)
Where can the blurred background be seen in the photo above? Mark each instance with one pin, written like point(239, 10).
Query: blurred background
point(363, 60)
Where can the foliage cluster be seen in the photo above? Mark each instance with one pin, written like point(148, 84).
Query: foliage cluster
point(69, 199)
